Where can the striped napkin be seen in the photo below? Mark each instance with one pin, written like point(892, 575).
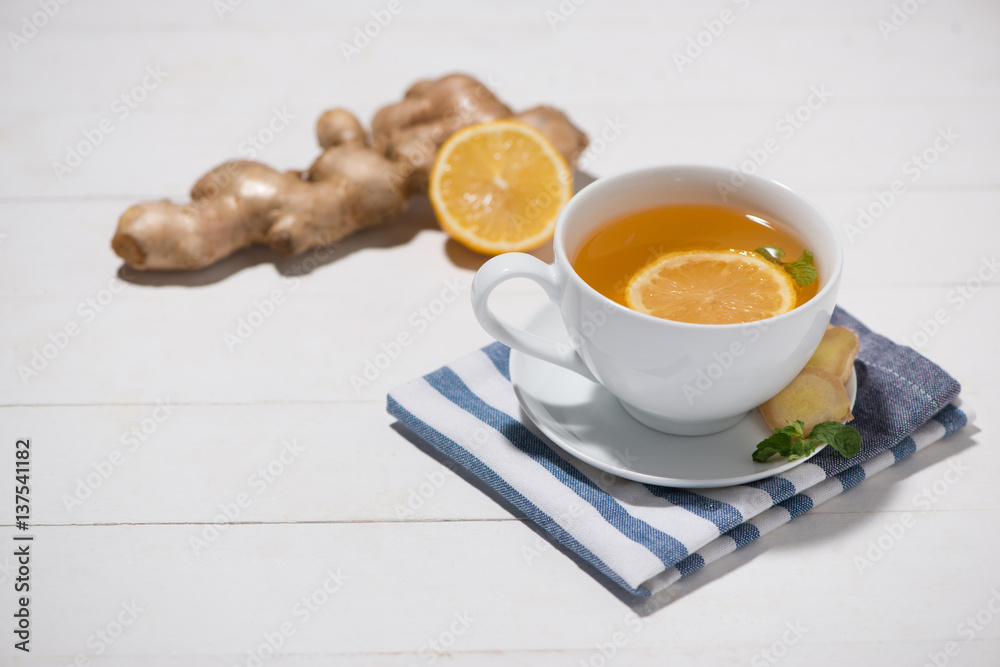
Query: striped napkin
point(645, 537)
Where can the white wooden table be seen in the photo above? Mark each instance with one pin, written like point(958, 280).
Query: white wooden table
point(193, 504)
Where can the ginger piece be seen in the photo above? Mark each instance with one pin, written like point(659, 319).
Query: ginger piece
point(241, 203)
point(554, 124)
point(814, 396)
point(411, 131)
point(836, 352)
point(357, 182)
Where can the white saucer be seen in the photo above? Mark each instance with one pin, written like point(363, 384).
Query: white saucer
point(589, 423)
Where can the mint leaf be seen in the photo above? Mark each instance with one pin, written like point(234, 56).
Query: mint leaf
point(782, 442)
point(771, 253)
point(802, 448)
point(845, 439)
point(793, 445)
point(777, 443)
point(802, 270)
point(794, 428)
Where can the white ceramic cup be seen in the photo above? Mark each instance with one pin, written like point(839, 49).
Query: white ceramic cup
point(676, 377)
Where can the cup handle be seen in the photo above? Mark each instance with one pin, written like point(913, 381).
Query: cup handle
point(549, 278)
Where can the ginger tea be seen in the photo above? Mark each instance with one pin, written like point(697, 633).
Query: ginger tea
point(619, 251)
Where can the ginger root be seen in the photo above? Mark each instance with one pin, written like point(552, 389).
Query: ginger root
point(358, 181)
point(836, 352)
point(818, 393)
point(814, 396)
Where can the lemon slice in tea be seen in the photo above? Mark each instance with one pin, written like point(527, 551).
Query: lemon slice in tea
point(711, 287)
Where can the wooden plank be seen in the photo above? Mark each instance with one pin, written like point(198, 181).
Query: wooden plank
point(403, 584)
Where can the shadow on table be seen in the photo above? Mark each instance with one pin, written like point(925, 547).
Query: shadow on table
point(646, 606)
point(877, 491)
point(417, 218)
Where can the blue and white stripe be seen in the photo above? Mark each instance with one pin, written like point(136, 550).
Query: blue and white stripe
point(949, 420)
point(640, 536)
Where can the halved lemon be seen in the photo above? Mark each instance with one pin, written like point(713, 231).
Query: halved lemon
point(499, 187)
point(711, 287)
